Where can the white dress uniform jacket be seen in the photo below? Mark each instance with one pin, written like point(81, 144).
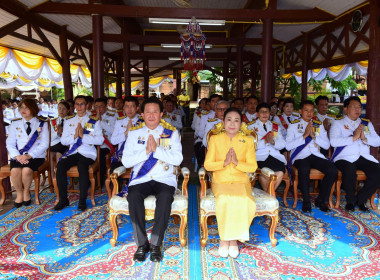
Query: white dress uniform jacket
point(294, 138)
point(174, 119)
point(17, 138)
point(44, 110)
point(16, 113)
point(55, 138)
point(8, 115)
point(196, 119)
point(292, 117)
point(134, 155)
point(264, 150)
point(107, 124)
point(250, 117)
point(210, 124)
point(95, 137)
point(341, 134)
point(202, 126)
point(323, 117)
point(118, 136)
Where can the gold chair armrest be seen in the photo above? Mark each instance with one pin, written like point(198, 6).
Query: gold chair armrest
point(114, 178)
point(186, 175)
point(202, 180)
point(272, 179)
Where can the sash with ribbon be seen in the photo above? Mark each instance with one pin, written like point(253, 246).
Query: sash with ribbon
point(54, 124)
point(90, 124)
point(274, 131)
point(119, 151)
point(339, 149)
point(120, 113)
point(147, 166)
point(283, 122)
point(32, 139)
point(245, 119)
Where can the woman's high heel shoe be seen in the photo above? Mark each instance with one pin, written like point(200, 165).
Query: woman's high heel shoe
point(27, 203)
point(17, 204)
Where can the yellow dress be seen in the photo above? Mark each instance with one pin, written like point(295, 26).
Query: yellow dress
point(235, 205)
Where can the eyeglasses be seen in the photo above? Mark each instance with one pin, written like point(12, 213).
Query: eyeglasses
point(221, 109)
point(80, 104)
point(23, 108)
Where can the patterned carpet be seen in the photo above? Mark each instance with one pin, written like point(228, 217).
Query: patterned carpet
point(38, 243)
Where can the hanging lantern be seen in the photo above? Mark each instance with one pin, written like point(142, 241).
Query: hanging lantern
point(193, 43)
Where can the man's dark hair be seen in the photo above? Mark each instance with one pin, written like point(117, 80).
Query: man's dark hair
point(279, 101)
point(262, 105)
point(215, 96)
point(101, 99)
point(89, 98)
point(66, 104)
point(319, 98)
point(208, 100)
point(81, 96)
point(152, 100)
point(131, 99)
point(112, 98)
point(204, 98)
point(233, 109)
point(306, 102)
point(253, 97)
point(287, 100)
point(238, 99)
point(351, 98)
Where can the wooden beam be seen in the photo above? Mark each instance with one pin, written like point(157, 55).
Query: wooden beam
point(169, 66)
point(212, 70)
point(48, 44)
point(11, 27)
point(307, 15)
point(26, 38)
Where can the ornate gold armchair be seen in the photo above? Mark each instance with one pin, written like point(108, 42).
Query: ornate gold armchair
point(266, 203)
point(119, 205)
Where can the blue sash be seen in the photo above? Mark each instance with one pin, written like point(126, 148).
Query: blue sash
point(295, 153)
point(79, 140)
point(119, 152)
point(339, 149)
point(146, 167)
point(32, 139)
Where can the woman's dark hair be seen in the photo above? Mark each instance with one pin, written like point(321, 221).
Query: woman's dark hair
point(66, 104)
point(232, 109)
point(152, 100)
point(31, 104)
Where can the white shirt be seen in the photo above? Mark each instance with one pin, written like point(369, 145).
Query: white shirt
point(264, 150)
point(107, 124)
point(210, 124)
point(55, 138)
point(294, 138)
point(202, 125)
point(17, 138)
point(250, 117)
point(323, 117)
point(118, 136)
point(95, 137)
point(16, 113)
point(174, 119)
point(286, 118)
point(134, 155)
point(341, 134)
point(8, 115)
point(44, 110)
point(196, 119)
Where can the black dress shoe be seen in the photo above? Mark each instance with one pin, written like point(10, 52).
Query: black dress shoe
point(350, 207)
point(61, 204)
point(141, 252)
point(82, 205)
point(363, 207)
point(155, 253)
point(17, 204)
point(27, 203)
point(306, 207)
point(322, 206)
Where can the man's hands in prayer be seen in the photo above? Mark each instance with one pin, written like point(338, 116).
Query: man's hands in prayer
point(151, 145)
point(129, 125)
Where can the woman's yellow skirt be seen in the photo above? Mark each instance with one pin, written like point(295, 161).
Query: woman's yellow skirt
point(235, 210)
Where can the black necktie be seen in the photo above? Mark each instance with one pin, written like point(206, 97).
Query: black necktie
point(265, 127)
point(28, 129)
point(62, 122)
point(289, 120)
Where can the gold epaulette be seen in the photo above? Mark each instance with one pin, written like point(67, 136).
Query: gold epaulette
point(16, 119)
point(316, 121)
point(54, 119)
point(295, 121)
point(339, 118)
point(331, 116)
point(140, 117)
point(42, 119)
point(363, 119)
point(296, 114)
point(167, 125)
point(165, 116)
point(111, 115)
point(205, 112)
point(122, 117)
point(251, 122)
point(141, 125)
point(279, 114)
point(70, 117)
point(275, 123)
point(93, 118)
point(211, 120)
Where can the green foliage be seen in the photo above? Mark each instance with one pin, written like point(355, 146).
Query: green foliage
point(344, 86)
point(58, 93)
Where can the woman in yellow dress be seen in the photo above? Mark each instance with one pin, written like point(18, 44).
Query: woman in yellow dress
point(230, 155)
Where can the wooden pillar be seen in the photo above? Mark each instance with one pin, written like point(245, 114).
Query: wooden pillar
point(305, 62)
point(146, 77)
point(225, 79)
point(119, 72)
point(66, 75)
point(267, 61)
point(253, 76)
point(98, 64)
point(3, 153)
point(127, 68)
point(239, 71)
point(178, 82)
point(373, 82)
